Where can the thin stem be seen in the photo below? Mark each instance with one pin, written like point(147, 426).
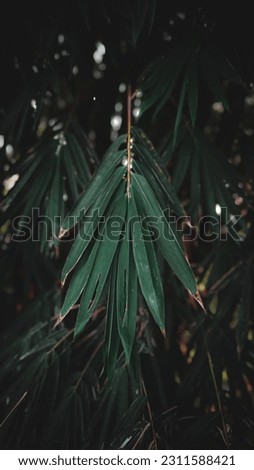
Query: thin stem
point(225, 276)
point(13, 409)
point(141, 435)
point(129, 98)
point(150, 416)
point(88, 364)
point(225, 433)
point(61, 341)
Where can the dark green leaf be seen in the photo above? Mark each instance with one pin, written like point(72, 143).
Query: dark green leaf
point(193, 88)
point(126, 295)
point(147, 274)
point(170, 247)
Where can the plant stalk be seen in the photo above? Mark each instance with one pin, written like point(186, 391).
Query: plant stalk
point(129, 157)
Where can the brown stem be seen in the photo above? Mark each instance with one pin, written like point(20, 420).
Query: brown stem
point(150, 416)
point(141, 435)
point(224, 427)
point(13, 409)
point(129, 98)
point(99, 346)
point(61, 340)
point(225, 276)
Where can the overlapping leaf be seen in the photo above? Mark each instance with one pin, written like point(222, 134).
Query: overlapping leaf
point(50, 181)
point(183, 64)
point(212, 180)
point(228, 282)
point(124, 259)
point(132, 17)
point(14, 121)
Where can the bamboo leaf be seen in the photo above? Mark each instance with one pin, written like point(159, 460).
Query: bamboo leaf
point(146, 152)
point(193, 88)
point(97, 205)
point(104, 257)
point(112, 339)
point(182, 163)
point(111, 160)
point(170, 247)
point(147, 274)
point(161, 77)
point(213, 81)
point(180, 109)
point(126, 295)
point(224, 66)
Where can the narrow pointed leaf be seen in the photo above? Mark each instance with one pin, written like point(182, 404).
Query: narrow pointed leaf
point(182, 163)
point(213, 81)
point(180, 109)
point(149, 283)
point(170, 247)
point(126, 295)
point(112, 339)
point(193, 89)
point(104, 258)
point(150, 157)
point(112, 158)
point(99, 201)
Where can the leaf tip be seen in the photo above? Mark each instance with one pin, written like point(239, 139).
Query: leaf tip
point(163, 332)
point(198, 298)
point(58, 321)
point(62, 232)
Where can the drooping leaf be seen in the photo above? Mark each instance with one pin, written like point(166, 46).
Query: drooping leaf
point(120, 262)
point(97, 208)
point(180, 109)
point(213, 81)
point(207, 168)
point(126, 293)
point(111, 160)
point(170, 247)
point(97, 277)
point(153, 172)
point(40, 190)
point(147, 273)
point(193, 88)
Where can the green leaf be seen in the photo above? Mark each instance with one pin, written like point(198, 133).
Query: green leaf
point(193, 88)
point(180, 109)
point(125, 430)
point(151, 14)
point(244, 308)
point(224, 66)
point(170, 247)
point(213, 80)
point(182, 163)
point(195, 181)
point(97, 277)
point(147, 274)
point(208, 196)
point(55, 195)
point(126, 295)
point(72, 175)
point(39, 189)
point(79, 160)
point(143, 148)
point(98, 200)
point(161, 78)
point(79, 279)
point(112, 339)
point(27, 170)
point(139, 13)
point(112, 159)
